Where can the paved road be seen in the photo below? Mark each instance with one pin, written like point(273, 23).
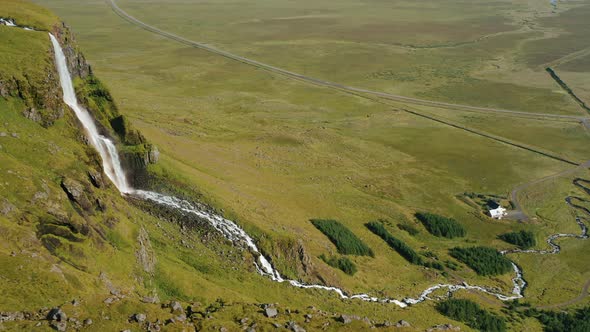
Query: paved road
point(320, 82)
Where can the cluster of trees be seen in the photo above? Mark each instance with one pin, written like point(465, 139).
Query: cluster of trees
point(345, 241)
point(342, 263)
point(523, 239)
point(441, 226)
point(403, 249)
point(483, 260)
point(472, 314)
point(577, 321)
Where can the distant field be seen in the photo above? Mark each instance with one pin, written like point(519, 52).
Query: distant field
point(274, 153)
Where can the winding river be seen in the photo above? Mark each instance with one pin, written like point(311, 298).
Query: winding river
point(230, 230)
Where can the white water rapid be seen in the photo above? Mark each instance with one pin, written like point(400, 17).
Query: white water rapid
point(114, 171)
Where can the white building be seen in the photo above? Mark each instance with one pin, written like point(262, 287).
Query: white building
point(498, 213)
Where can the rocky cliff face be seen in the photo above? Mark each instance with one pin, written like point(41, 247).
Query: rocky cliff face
point(75, 59)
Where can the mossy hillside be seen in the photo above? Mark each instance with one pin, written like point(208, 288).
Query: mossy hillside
point(27, 14)
point(87, 267)
point(47, 235)
point(27, 72)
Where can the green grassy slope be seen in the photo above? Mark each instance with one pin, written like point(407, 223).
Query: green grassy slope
point(272, 154)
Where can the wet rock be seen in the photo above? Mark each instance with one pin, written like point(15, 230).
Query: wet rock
point(294, 327)
point(271, 312)
point(56, 314)
point(402, 323)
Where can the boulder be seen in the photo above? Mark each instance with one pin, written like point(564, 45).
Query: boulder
point(59, 326)
point(75, 192)
point(153, 155)
point(95, 178)
point(271, 312)
point(444, 327)
point(176, 307)
point(140, 318)
point(32, 114)
point(56, 314)
point(294, 327)
point(345, 319)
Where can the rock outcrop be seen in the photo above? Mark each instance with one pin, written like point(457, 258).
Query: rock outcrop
point(75, 60)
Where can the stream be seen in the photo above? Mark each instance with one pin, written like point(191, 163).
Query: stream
point(234, 233)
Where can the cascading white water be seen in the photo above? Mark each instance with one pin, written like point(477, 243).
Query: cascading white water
point(114, 170)
point(105, 147)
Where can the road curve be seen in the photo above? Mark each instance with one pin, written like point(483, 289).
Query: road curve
point(320, 82)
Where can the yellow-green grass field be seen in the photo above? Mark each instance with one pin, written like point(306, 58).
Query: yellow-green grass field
point(274, 153)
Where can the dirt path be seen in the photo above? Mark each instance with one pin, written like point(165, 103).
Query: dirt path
point(575, 300)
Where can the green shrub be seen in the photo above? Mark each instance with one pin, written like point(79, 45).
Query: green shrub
point(471, 314)
point(523, 239)
point(342, 263)
point(483, 260)
point(403, 249)
point(434, 265)
point(441, 226)
point(577, 321)
point(408, 228)
point(345, 241)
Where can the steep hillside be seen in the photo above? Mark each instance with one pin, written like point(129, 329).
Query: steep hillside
point(75, 254)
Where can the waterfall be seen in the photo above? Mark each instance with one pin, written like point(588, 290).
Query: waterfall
point(230, 230)
point(105, 147)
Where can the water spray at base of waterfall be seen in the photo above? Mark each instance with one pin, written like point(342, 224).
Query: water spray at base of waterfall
point(114, 171)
